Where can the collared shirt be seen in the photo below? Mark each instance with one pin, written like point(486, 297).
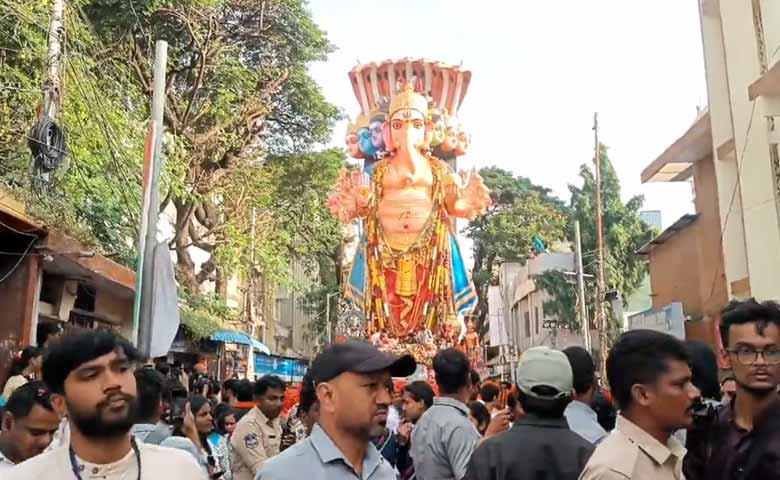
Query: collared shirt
point(583, 421)
point(156, 463)
point(719, 449)
point(318, 458)
point(631, 453)
point(255, 440)
point(534, 448)
point(153, 433)
point(5, 464)
point(443, 441)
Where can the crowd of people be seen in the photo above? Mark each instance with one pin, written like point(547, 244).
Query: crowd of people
point(85, 406)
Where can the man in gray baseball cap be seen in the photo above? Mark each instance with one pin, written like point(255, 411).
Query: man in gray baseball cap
point(539, 443)
point(350, 379)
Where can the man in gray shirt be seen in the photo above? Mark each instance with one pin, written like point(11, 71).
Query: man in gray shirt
point(580, 416)
point(444, 437)
point(350, 379)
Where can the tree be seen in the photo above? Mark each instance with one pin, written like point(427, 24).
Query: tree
point(105, 138)
point(521, 212)
point(238, 92)
point(243, 120)
point(624, 231)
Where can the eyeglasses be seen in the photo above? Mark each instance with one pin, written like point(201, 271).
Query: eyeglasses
point(748, 356)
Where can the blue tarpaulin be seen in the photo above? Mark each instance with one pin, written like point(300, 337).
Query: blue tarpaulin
point(231, 336)
point(260, 347)
point(287, 369)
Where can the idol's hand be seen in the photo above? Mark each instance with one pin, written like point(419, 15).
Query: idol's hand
point(474, 197)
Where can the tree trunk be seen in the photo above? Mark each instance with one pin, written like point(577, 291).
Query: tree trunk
point(185, 267)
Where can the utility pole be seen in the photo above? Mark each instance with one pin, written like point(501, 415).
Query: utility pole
point(583, 308)
point(147, 236)
point(601, 319)
point(51, 86)
point(328, 323)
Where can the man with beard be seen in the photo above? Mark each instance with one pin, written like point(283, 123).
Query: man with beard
point(258, 435)
point(29, 422)
point(91, 378)
point(350, 381)
point(741, 439)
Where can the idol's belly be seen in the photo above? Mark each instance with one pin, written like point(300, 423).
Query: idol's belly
point(403, 214)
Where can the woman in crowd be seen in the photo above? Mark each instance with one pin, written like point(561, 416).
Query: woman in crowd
point(25, 367)
point(191, 431)
point(479, 416)
point(219, 439)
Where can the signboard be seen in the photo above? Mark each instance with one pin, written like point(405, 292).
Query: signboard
point(288, 369)
point(669, 319)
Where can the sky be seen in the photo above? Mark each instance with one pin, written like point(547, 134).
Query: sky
point(540, 70)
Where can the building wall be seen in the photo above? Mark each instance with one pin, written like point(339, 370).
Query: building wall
point(674, 276)
point(751, 239)
point(17, 297)
point(115, 310)
point(524, 314)
point(713, 292)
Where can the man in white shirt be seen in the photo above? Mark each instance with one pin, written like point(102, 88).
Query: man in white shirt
point(580, 416)
point(29, 422)
point(91, 378)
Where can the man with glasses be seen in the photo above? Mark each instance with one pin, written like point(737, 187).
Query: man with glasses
point(29, 422)
point(741, 440)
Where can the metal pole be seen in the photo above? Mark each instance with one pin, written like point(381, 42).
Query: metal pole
point(51, 87)
point(327, 318)
point(601, 320)
point(583, 308)
point(142, 330)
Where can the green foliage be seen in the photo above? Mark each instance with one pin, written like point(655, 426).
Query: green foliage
point(204, 314)
point(624, 231)
point(562, 304)
point(521, 211)
point(94, 201)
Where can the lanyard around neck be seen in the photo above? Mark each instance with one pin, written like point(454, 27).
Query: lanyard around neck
point(77, 472)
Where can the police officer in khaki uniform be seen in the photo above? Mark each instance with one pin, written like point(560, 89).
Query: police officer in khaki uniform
point(258, 434)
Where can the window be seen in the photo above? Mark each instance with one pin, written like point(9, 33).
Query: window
point(527, 316)
point(538, 320)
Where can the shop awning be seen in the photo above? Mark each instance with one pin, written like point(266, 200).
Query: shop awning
point(241, 338)
point(230, 336)
point(260, 346)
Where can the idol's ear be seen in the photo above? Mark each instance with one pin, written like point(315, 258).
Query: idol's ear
point(390, 145)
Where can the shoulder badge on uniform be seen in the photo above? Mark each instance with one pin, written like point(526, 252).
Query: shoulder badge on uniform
point(251, 441)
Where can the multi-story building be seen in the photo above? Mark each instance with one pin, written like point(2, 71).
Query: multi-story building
point(527, 325)
point(731, 247)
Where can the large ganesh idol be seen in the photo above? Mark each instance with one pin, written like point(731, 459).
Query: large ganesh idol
point(408, 274)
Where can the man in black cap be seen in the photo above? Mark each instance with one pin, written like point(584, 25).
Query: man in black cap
point(350, 380)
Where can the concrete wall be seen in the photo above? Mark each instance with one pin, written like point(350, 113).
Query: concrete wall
point(674, 276)
point(523, 309)
point(17, 300)
point(743, 167)
point(713, 291)
point(115, 310)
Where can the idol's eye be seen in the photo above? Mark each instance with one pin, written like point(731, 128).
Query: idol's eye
point(397, 124)
point(418, 124)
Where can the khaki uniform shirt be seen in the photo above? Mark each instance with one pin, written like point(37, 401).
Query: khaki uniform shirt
point(631, 453)
point(255, 440)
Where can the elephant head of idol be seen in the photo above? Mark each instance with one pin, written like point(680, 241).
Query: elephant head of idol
point(406, 121)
